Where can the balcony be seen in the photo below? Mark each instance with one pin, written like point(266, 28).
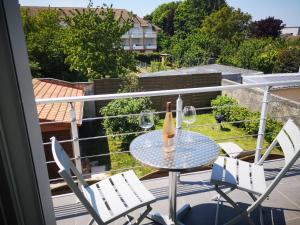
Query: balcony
point(125, 36)
point(137, 35)
point(127, 47)
point(150, 35)
point(138, 47)
point(194, 188)
point(151, 47)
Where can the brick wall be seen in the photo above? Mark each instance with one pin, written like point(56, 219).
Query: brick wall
point(154, 83)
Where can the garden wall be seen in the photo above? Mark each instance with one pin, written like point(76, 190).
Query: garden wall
point(166, 82)
point(252, 98)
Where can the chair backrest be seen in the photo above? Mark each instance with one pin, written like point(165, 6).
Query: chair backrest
point(66, 168)
point(289, 140)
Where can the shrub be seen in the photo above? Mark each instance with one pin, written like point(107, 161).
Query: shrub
point(234, 112)
point(157, 66)
point(124, 124)
point(223, 104)
point(288, 60)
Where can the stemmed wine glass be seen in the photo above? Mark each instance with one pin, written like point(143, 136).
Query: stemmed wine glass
point(146, 121)
point(189, 116)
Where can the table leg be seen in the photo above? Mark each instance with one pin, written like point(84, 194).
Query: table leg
point(173, 217)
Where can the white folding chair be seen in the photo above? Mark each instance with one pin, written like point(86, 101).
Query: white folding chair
point(234, 151)
point(249, 177)
point(108, 199)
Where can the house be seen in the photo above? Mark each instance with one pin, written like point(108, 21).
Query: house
point(55, 118)
point(290, 31)
point(142, 37)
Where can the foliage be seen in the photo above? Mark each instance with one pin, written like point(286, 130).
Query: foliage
point(258, 54)
point(190, 14)
point(125, 124)
point(226, 23)
point(195, 49)
point(243, 118)
point(130, 83)
point(147, 57)
point(44, 37)
point(163, 17)
point(157, 66)
point(93, 43)
point(288, 60)
point(269, 27)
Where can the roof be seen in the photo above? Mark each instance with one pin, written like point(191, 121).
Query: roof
point(273, 78)
point(122, 14)
point(211, 68)
point(58, 112)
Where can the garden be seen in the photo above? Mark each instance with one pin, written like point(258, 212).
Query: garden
point(239, 125)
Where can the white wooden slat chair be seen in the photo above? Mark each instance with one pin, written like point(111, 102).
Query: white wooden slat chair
point(249, 177)
point(234, 151)
point(108, 199)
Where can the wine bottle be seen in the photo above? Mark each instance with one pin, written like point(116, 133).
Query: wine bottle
point(168, 131)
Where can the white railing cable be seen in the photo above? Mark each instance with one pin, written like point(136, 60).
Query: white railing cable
point(162, 93)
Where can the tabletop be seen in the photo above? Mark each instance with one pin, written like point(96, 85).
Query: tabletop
point(191, 150)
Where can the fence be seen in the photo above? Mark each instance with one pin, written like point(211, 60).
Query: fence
point(75, 139)
point(156, 83)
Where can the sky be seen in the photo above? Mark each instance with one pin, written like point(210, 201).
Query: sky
point(286, 10)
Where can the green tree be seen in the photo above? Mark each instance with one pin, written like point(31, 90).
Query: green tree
point(257, 54)
point(288, 60)
point(190, 14)
point(269, 27)
point(196, 49)
point(44, 38)
point(94, 45)
point(163, 16)
point(226, 23)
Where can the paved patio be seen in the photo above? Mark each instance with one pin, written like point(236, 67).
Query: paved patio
point(282, 208)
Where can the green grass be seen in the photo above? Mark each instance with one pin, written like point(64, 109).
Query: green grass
point(124, 160)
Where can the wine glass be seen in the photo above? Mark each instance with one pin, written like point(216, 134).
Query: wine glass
point(146, 121)
point(189, 116)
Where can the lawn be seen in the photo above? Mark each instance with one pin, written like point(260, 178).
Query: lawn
point(204, 125)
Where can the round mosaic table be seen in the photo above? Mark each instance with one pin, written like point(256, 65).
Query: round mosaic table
point(191, 151)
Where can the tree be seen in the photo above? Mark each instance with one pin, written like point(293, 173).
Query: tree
point(226, 23)
point(190, 14)
point(44, 38)
point(258, 54)
point(94, 45)
point(163, 16)
point(288, 60)
point(269, 27)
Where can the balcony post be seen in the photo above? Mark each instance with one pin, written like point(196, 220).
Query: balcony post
point(262, 124)
point(75, 138)
point(178, 112)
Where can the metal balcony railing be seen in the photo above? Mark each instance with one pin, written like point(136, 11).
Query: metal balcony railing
point(75, 140)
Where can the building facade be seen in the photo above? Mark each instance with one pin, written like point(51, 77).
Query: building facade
point(290, 31)
point(142, 37)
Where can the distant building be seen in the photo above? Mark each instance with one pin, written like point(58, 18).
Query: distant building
point(290, 31)
point(141, 38)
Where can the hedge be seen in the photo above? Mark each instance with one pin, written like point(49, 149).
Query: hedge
point(243, 118)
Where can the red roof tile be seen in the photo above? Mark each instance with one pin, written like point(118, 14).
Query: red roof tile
point(58, 112)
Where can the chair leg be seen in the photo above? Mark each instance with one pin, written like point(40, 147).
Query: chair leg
point(226, 192)
point(217, 210)
point(91, 221)
point(143, 215)
point(242, 213)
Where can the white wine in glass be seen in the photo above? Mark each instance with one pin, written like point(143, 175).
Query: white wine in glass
point(189, 116)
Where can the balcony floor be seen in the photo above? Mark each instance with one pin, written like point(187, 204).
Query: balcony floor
point(283, 206)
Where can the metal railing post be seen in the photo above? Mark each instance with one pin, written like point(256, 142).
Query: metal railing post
point(75, 141)
point(262, 124)
point(178, 112)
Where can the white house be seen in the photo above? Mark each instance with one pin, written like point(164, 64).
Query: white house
point(290, 31)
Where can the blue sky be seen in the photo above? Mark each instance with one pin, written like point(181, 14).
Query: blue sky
point(286, 10)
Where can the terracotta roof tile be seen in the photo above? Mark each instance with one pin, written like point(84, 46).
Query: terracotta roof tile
point(59, 112)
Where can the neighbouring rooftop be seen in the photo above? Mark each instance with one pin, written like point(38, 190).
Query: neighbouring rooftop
point(211, 68)
point(57, 112)
point(282, 207)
